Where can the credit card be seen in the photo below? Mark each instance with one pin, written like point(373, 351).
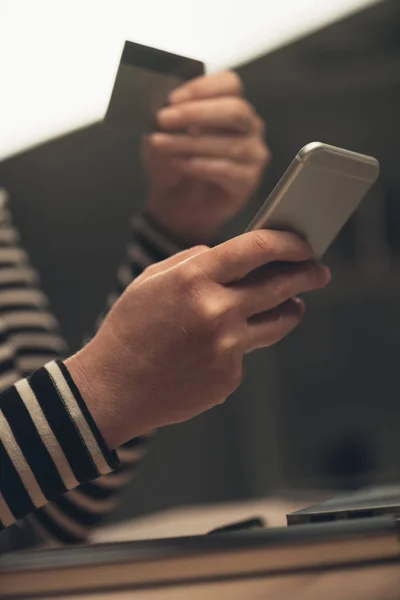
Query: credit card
point(145, 78)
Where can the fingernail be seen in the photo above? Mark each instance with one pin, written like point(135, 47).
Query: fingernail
point(179, 95)
point(158, 139)
point(168, 117)
point(300, 303)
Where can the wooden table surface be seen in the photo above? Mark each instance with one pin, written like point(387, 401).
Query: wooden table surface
point(375, 583)
point(198, 520)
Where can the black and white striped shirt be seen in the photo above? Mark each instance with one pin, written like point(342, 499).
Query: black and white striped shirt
point(55, 468)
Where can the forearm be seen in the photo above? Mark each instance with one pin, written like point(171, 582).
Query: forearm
point(49, 443)
point(34, 336)
point(70, 518)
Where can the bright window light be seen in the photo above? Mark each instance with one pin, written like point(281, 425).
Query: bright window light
point(58, 58)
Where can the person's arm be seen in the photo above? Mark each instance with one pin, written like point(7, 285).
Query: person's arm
point(49, 443)
point(34, 338)
point(141, 371)
point(196, 184)
point(70, 518)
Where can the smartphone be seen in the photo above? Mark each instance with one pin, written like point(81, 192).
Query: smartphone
point(318, 193)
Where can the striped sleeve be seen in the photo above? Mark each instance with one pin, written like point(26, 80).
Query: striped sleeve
point(49, 443)
point(70, 518)
point(148, 244)
point(33, 339)
point(25, 313)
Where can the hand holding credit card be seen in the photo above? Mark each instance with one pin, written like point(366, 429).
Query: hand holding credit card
point(145, 78)
point(198, 179)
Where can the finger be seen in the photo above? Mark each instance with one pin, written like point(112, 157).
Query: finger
point(270, 327)
point(235, 177)
point(172, 261)
point(236, 258)
point(239, 148)
point(208, 86)
point(227, 113)
point(276, 283)
point(258, 127)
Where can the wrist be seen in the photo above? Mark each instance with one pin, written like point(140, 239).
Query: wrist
point(96, 395)
point(168, 232)
point(112, 385)
point(183, 234)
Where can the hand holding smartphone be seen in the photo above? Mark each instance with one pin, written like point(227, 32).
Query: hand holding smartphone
point(318, 193)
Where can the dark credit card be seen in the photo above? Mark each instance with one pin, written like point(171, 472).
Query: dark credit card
point(145, 78)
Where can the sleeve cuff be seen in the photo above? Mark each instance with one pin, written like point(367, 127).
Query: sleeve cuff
point(65, 425)
point(156, 241)
point(105, 460)
point(49, 442)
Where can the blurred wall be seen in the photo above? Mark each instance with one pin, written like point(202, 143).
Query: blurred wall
point(336, 377)
point(321, 409)
point(69, 84)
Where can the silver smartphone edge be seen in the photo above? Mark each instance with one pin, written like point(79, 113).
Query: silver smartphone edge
point(363, 167)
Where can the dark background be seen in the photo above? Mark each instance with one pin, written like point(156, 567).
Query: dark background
point(322, 409)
